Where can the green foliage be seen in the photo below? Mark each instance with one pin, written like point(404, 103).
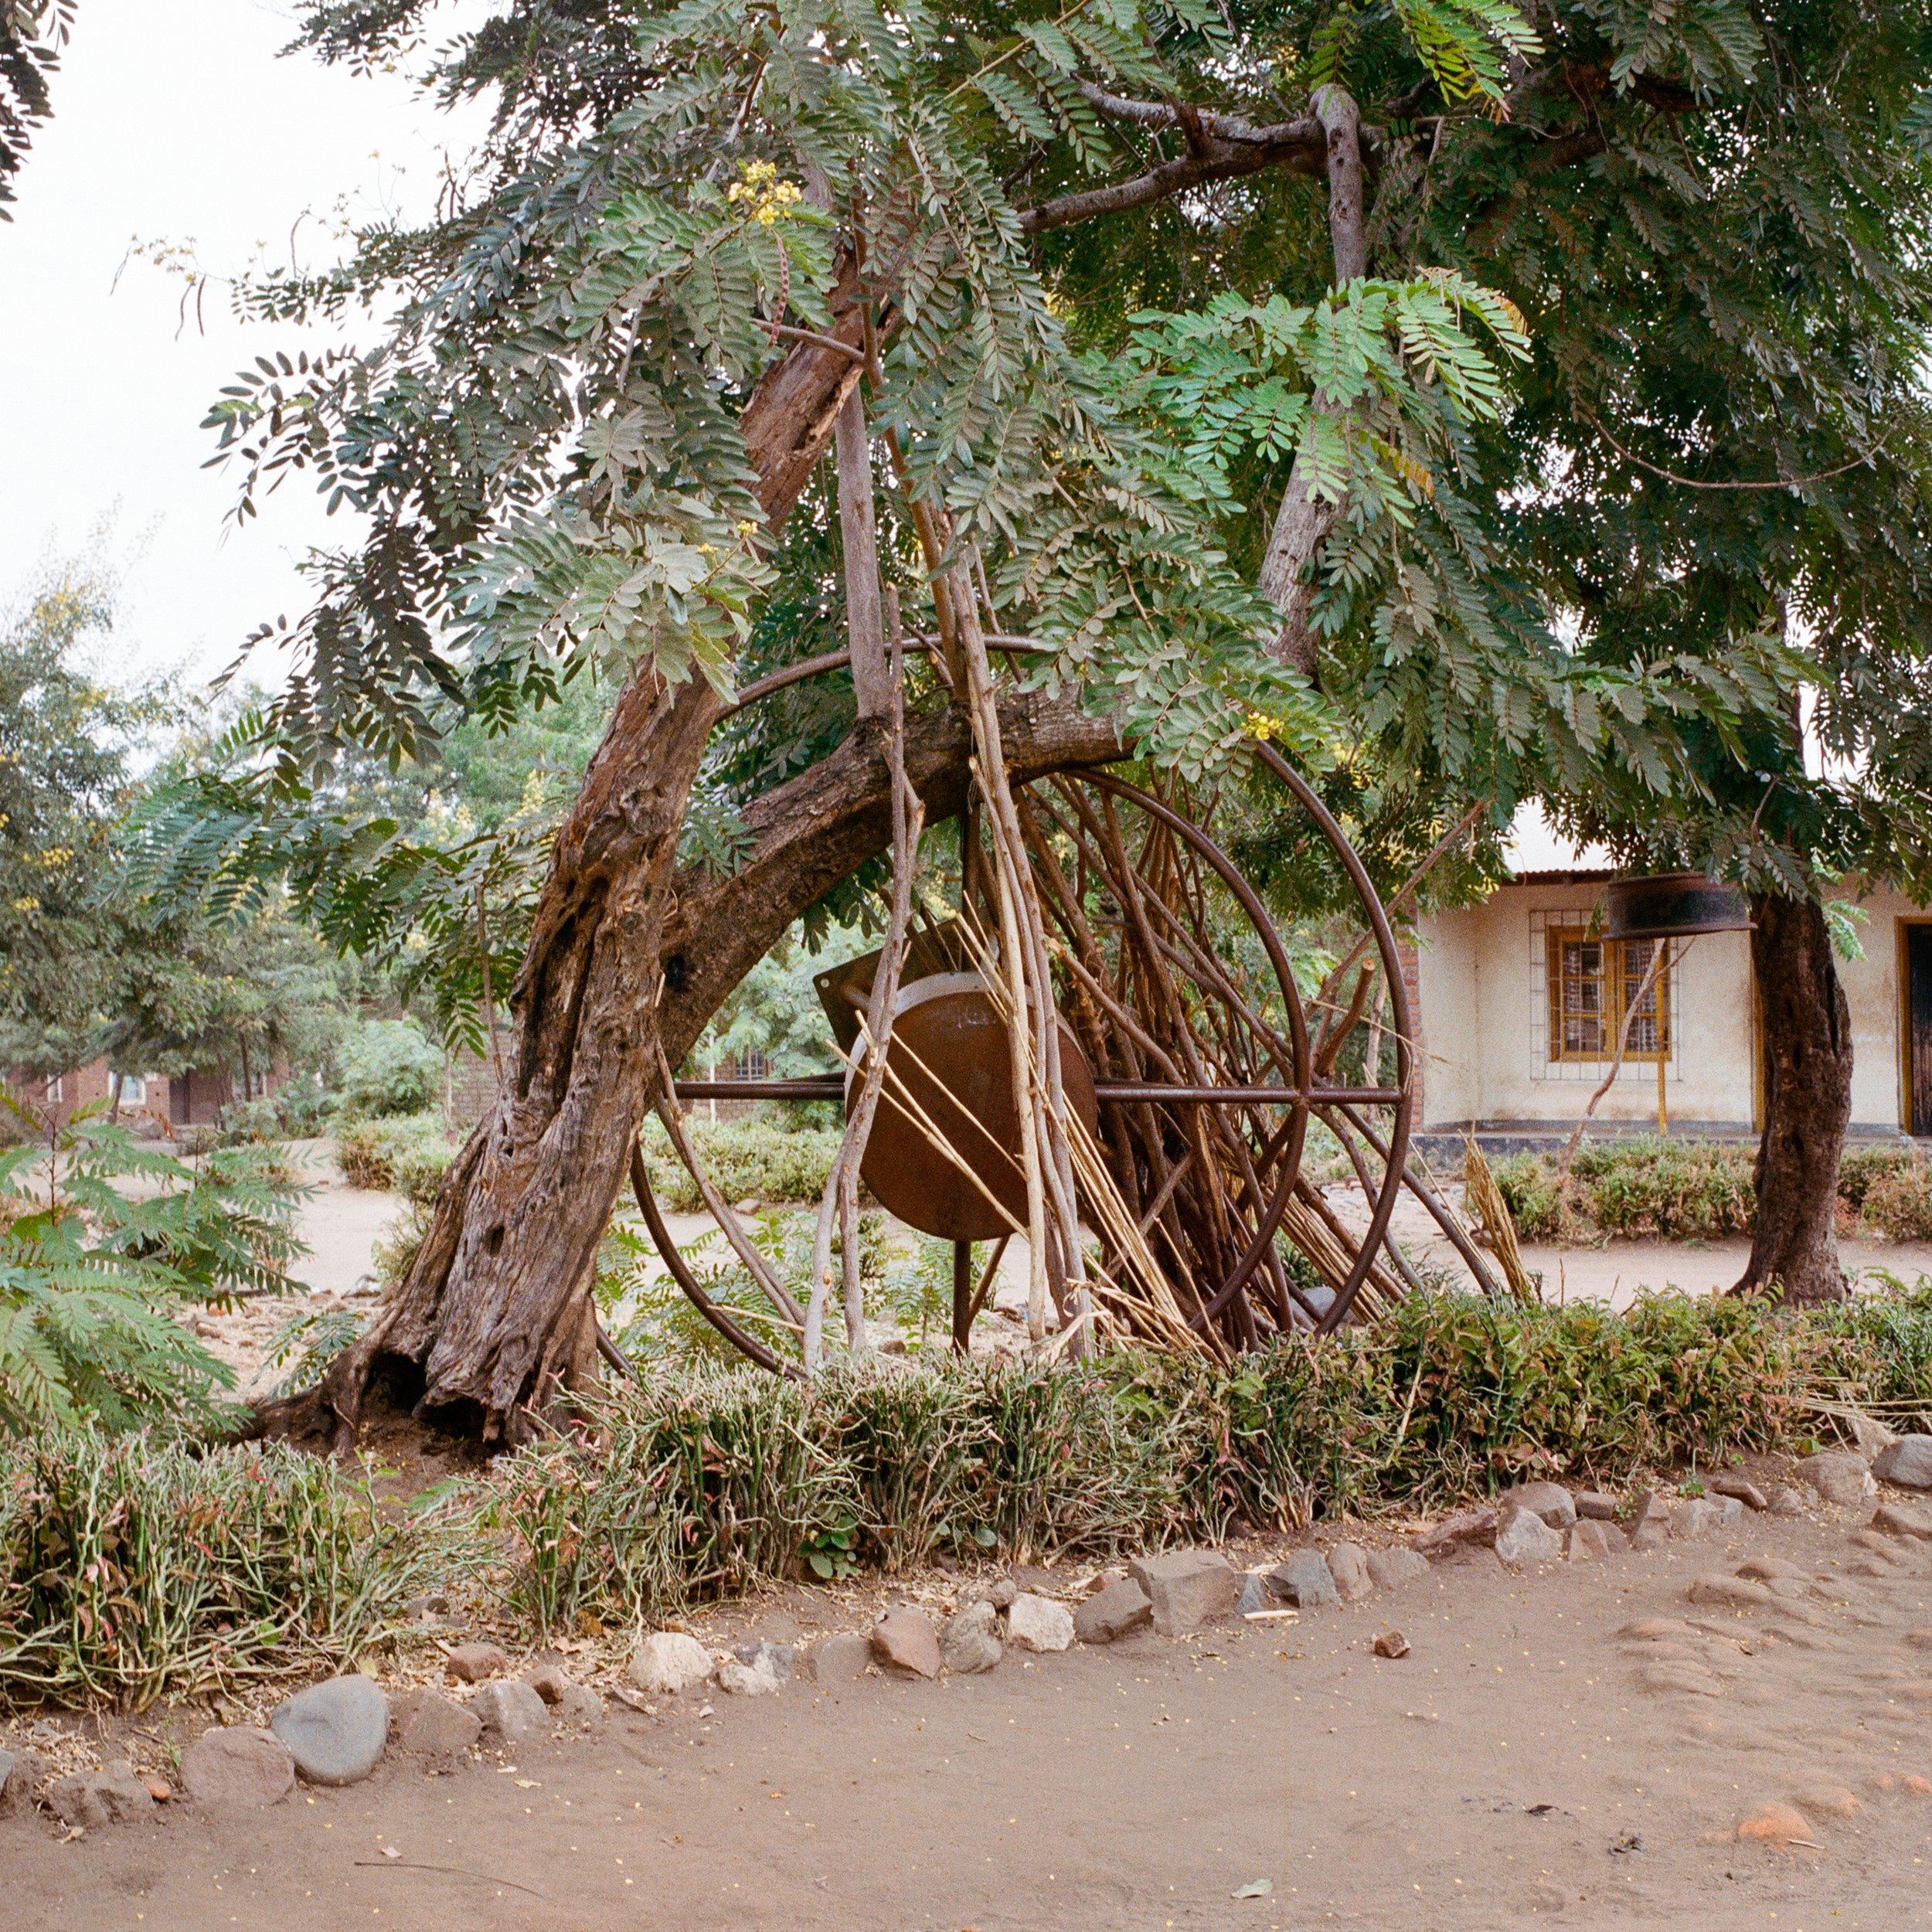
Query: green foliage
point(132, 1569)
point(1898, 1203)
point(408, 1155)
point(386, 1066)
point(743, 1478)
point(1673, 1189)
point(105, 1243)
point(750, 1159)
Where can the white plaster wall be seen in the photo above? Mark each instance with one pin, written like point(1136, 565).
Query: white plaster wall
point(1447, 994)
point(1485, 1027)
point(1487, 1033)
point(1871, 991)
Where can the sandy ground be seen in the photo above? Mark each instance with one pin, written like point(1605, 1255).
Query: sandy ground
point(1529, 1762)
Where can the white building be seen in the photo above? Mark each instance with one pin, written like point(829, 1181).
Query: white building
point(1519, 1005)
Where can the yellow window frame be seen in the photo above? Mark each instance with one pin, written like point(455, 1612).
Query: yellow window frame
point(1591, 984)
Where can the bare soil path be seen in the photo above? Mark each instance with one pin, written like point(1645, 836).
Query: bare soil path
point(1530, 1762)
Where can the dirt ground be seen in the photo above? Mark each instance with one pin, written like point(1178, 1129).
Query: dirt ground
point(1530, 1761)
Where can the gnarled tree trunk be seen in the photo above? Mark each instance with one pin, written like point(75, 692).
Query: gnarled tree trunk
point(1808, 1103)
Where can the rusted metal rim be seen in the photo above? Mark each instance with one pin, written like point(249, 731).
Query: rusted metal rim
point(1398, 1157)
point(1296, 1126)
point(740, 1338)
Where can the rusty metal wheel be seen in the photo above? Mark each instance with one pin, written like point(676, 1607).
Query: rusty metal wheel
point(1206, 1068)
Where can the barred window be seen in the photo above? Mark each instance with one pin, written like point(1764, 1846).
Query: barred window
point(1593, 983)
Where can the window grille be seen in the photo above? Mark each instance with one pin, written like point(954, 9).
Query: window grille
point(1585, 985)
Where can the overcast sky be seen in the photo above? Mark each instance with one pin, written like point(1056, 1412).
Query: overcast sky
point(172, 122)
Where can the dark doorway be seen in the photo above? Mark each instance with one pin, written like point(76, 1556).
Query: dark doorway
point(1918, 1027)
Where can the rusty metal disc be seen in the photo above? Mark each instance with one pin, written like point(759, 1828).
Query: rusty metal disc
point(950, 1049)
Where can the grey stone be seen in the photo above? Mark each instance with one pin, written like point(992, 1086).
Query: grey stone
point(668, 1662)
point(1303, 1578)
point(1187, 1588)
point(841, 1659)
point(1589, 1539)
point(1784, 1500)
point(1900, 1519)
point(1593, 1505)
point(1550, 1500)
point(1647, 1533)
point(581, 1705)
point(237, 1768)
point(1698, 1516)
point(109, 1795)
point(1040, 1624)
point(905, 1640)
point(756, 1670)
point(1109, 1616)
point(777, 1660)
point(1255, 1595)
point(1908, 1463)
point(1523, 1537)
point(335, 1732)
point(1349, 1568)
point(425, 1723)
point(476, 1663)
point(1465, 1526)
point(970, 1642)
point(1728, 1482)
point(510, 1713)
point(1839, 1476)
point(549, 1681)
point(1390, 1569)
point(21, 1774)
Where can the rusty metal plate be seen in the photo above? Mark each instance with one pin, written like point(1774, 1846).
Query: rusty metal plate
point(845, 992)
point(950, 1047)
point(1671, 905)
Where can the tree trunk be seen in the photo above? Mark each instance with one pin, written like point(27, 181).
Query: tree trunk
point(1807, 1104)
point(1304, 522)
point(495, 1315)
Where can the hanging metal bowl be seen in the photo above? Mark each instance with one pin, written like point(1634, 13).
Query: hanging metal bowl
point(1671, 905)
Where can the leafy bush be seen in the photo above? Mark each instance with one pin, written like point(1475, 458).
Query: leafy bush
point(385, 1067)
point(1683, 1190)
point(131, 1569)
point(1862, 1166)
point(1898, 1202)
point(1677, 1190)
point(409, 1155)
point(93, 1276)
point(754, 1159)
point(746, 1478)
point(1527, 1184)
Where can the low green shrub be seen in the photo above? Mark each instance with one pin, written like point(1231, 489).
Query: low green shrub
point(409, 1154)
point(702, 1485)
point(763, 1159)
point(387, 1067)
point(1862, 1166)
point(1899, 1202)
point(1527, 1184)
point(1684, 1190)
point(1676, 1190)
point(131, 1569)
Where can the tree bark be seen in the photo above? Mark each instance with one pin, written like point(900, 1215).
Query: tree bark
point(1304, 522)
point(495, 1315)
point(1807, 1104)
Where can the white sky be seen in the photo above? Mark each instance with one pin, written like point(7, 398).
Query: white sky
point(173, 120)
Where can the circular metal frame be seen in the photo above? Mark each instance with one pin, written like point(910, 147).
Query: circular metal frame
point(1277, 1152)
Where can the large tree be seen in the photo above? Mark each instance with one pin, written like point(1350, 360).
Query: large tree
point(591, 433)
